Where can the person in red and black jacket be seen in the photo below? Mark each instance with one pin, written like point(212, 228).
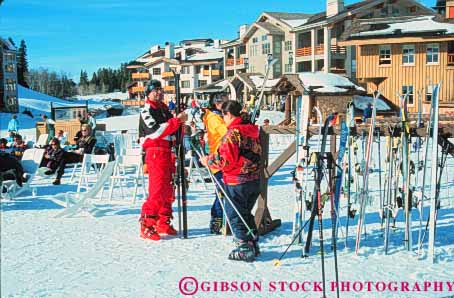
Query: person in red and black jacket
point(157, 127)
point(85, 145)
point(238, 157)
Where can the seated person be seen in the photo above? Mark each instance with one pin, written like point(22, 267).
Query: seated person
point(61, 136)
point(18, 147)
point(85, 144)
point(10, 138)
point(52, 156)
point(3, 144)
point(11, 169)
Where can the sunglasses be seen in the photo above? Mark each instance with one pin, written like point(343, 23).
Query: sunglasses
point(53, 144)
point(84, 130)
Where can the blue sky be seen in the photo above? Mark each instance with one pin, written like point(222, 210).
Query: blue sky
point(70, 35)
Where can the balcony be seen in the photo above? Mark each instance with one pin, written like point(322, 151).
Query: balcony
point(138, 89)
point(451, 59)
point(170, 89)
point(338, 50)
point(214, 72)
point(320, 50)
point(239, 61)
point(167, 74)
point(140, 76)
point(230, 62)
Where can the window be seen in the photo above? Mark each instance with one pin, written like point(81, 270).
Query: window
point(288, 68)
point(197, 69)
point(185, 69)
point(432, 51)
point(255, 40)
point(266, 48)
point(156, 71)
point(412, 9)
point(395, 11)
point(408, 90)
point(288, 45)
point(277, 46)
point(429, 92)
point(408, 54)
point(185, 84)
point(202, 83)
point(385, 55)
point(253, 50)
point(384, 12)
point(9, 68)
point(264, 37)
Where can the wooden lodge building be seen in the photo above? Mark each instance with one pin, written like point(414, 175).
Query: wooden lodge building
point(413, 53)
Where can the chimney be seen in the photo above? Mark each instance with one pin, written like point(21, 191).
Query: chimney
point(333, 7)
point(170, 50)
point(216, 43)
point(243, 29)
point(450, 9)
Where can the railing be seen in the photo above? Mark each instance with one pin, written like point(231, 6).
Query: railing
point(167, 74)
point(140, 75)
point(215, 72)
point(206, 72)
point(169, 88)
point(338, 50)
point(306, 51)
point(239, 61)
point(138, 89)
point(450, 59)
point(230, 62)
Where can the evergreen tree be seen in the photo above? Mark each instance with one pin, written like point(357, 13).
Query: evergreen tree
point(22, 64)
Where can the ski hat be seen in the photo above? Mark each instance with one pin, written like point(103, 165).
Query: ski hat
point(153, 85)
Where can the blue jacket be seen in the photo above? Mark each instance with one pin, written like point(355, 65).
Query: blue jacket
point(13, 125)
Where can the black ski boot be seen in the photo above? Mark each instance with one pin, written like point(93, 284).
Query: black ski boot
point(216, 225)
point(243, 252)
point(255, 242)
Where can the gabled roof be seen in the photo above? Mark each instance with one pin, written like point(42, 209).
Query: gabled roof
point(287, 15)
point(268, 27)
point(352, 9)
point(215, 87)
point(7, 45)
point(431, 26)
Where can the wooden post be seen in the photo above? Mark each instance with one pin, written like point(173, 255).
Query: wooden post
point(288, 107)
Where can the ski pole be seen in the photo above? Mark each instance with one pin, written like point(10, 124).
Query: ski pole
point(228, 198)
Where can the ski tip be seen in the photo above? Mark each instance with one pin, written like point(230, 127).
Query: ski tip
point(277, 263)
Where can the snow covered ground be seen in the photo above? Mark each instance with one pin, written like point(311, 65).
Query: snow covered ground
point(103, 256)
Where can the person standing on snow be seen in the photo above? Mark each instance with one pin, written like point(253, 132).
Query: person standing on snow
point(238, 158)
point(50, 127)
point(92, 122)
point(156, 130)
point(216, 129)
point(13, 124)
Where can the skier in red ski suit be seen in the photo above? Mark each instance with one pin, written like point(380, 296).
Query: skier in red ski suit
point(157, 128)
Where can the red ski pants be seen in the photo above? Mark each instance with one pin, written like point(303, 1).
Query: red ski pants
point(161, 166)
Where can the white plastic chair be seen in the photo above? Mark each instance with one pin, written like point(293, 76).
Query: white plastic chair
point(30, 163)
point(92, 165)
point(122, 173)
point(82, 200)
point(42, 140)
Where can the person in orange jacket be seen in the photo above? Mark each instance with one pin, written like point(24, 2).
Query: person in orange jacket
point(216, 129)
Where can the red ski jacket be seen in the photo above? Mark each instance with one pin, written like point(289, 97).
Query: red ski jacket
point(238, 156)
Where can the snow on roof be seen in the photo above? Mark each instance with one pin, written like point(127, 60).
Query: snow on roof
point(210, 54)
point(361, 103)
point(296, 22)
point(330, 82)
point(8, 44)
point(414, 25)
point(258, 82)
